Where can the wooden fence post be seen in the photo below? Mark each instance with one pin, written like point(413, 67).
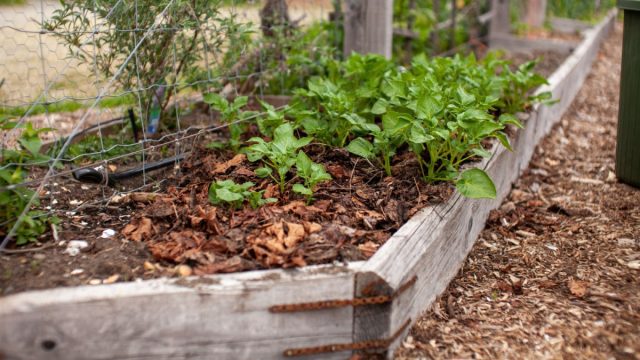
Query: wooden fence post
point(368, 27)
point(536, 13)
point(501, 21)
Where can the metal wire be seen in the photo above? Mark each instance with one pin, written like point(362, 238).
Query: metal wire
point(55, 72)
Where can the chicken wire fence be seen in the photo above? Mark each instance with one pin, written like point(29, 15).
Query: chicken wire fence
point(101, 98)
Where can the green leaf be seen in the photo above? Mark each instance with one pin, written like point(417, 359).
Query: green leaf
point(32, 145)
point(263, 172)
point(380, 107)
point(476, 184)
point(504, 140)
point(216, 101)
point(303, 163)
point(362, 148)
point(301, 189)
point(228, 196)
point(419, 135)
point(510, 119)
point(481, 152)
point(465, 97)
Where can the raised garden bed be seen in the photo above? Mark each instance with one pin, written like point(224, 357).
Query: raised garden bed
point(324, 310)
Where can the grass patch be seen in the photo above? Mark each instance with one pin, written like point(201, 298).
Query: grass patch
point(67, 106)
point(12, 2)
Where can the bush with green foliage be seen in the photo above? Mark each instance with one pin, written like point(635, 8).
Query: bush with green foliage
point(14, 197)
point(171, 51)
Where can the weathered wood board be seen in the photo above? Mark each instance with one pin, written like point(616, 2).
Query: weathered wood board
point(434, 244)
point(217, 317)
point(229, 317)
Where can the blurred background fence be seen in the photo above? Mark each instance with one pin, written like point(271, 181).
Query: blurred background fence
point(106, 90)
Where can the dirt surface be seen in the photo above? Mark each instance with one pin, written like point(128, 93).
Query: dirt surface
point(556, 272)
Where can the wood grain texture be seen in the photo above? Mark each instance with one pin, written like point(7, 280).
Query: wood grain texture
point(215, 317)
point(368, 27)
point(501, 21)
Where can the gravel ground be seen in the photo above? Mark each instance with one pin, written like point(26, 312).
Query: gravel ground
point(556, 272)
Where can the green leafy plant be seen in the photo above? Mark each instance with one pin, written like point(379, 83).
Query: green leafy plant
point(279, 155)
point(442, 110)
point(235, 195)
point(311, 173)
point(14, 171)
point(232, 114)
point(270, 119)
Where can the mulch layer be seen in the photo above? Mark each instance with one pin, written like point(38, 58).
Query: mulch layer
point(556, 272)
point(177, 232)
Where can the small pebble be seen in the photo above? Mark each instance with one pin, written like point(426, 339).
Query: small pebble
point(95, 282)
point(184, 270)
point(76, 272)
point(148, 266)
point(111, 279)
point(39, 256)
point(75, 246)
point(107, 233)
point(508, 207)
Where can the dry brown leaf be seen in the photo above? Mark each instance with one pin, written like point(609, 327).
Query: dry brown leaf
point(578, 288)
point(311, 228)
point(235, 161)
point(139, 229)
point(234, 264)
point(295, 234)
point(368, 249)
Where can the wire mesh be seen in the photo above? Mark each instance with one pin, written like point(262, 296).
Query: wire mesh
point(97, 73)
point(120, 83)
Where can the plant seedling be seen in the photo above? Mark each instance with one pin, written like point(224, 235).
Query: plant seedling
point(235, 195)
point(231, 114)
point(14, 165)
point(279, 155)
point(311, 173)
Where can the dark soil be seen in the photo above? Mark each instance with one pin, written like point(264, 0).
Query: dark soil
point(176, 232)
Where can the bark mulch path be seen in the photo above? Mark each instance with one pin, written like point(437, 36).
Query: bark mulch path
point(556, 272)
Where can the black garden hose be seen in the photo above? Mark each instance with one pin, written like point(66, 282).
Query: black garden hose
point(100, 176)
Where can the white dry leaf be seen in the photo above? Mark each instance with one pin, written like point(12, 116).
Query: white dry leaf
point(107, 233)
point(635, 264)
point(75, 246)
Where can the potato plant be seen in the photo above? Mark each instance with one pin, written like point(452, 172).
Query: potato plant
point(227, 192)
point(440, 109)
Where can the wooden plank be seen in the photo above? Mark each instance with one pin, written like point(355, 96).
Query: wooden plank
point(214, 317)
point(568, 26)
point(434, 244)
point(501, 21)
point(536, 13)
point(522, 45)
point(368, 27)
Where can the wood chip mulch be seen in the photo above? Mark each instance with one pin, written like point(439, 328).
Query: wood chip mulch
point(556, 272)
